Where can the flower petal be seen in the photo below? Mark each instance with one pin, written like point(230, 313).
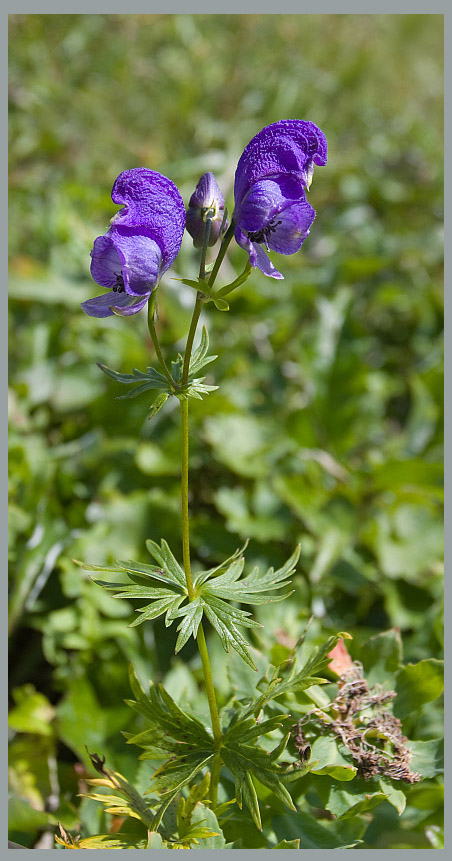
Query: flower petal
point(257, 255)
point(111, 303)
point(128, 310)
point(265, 199)
point(123, 254)
point(106, 263)
point(291, 227)
point(264, 263)
point(207, 192)
point(142, 260)
point(288, 146)
point(152, 206)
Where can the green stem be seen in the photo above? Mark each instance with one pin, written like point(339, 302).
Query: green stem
point(191, 336)
point(207, 229)
point(214, 778)
point(200, 298)
point(201, 640)
point(223, 248)
point(184, 497)
point(153, 334)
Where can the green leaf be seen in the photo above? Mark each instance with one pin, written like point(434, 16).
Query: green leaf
point(171, 732)
point(167, 561)
point(156, 609)
point(141, 584)
point(234, 572)
point(157, 404)
point(417, 684)
point(312, 834)
point(187, 806)
point(33, 713)
point(22, 818)
point(220, 304)
point(200, 358)
point(394, 794)
point(176, 773)
point(170, 724)
point(192, 615)
point(121, 840)
point(255, 588)
point(155, 841)
point(196, 389)
point(206, 816)
point(346, 800)
point(238, 281)
point(330, 760)
point(427, 756)
point(151, 377)
point(381, 656)
point(247, 762)
point(202, 286)
point(229, 635)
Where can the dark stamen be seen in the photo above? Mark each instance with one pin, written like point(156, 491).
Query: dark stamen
point(119, 286)
point(261, 235)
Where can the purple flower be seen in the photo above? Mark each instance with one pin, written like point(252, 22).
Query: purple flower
point(270, 181)
point(207, 197)
point(141, 244)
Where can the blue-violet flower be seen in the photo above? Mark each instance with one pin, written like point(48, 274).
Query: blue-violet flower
point(206, 198)
point(273, 172)
point(142, 243)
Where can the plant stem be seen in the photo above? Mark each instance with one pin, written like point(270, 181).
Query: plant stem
point(200, 639)
point(191, 336)
point(184, 497)
point(202, 265)
point(223, 248)
point(153, 334)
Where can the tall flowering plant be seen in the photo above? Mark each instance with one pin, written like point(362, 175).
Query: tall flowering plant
point(190, 793)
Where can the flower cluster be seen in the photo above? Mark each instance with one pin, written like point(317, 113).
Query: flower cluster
point(271, 214)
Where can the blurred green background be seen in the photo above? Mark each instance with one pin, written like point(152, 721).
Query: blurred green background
point(327, 427)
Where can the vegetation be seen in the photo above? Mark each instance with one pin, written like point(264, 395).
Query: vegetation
point(326, 431)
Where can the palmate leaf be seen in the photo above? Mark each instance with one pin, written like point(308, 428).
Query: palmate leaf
point(256, 588)
point(141, 583)
point(151, 379)
point(250, 761)
point(149, 376)
point(211, 588)
point(243, 722)
point(191, 617)
point(169, 724)
point(241, 755)
point(173, 733)
point(224, 582)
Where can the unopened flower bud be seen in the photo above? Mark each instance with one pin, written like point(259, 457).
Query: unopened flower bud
point(206, 202)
